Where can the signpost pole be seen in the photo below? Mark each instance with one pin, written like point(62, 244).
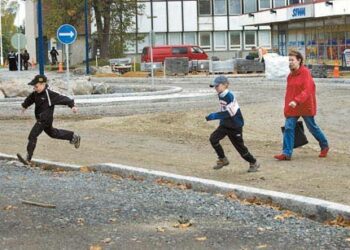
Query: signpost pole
point(67, 68)
point(18, 53)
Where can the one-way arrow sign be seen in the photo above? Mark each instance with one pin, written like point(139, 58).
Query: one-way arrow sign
point(67, 34)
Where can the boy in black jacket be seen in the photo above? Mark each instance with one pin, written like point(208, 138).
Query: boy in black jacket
point(45, 101)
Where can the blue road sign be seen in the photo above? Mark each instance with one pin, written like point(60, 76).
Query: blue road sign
point(67, 34)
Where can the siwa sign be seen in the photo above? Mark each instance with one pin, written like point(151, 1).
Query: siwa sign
point(299, 12)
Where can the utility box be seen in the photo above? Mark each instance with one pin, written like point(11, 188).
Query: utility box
point(319, 71)
point(176, 66)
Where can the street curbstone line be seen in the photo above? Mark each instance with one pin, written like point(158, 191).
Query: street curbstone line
point(316, 209)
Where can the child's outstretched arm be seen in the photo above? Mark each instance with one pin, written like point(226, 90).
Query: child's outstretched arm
point(217, 116)
point(58, 99)
point(28, 102)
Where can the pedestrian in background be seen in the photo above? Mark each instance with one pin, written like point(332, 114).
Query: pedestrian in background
point(300, 100)
point(54, 55)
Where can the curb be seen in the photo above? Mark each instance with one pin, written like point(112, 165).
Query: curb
point(316, 209)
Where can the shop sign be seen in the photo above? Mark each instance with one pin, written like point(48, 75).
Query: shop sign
point(299, 12)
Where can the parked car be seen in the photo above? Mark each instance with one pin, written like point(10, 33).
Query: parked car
point(192, 52)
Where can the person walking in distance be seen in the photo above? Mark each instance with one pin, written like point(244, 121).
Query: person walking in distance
point(300, 100)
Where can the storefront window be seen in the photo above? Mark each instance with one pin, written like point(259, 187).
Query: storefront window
point(190, 38)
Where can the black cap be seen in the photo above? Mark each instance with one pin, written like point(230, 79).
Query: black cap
point(38, 79)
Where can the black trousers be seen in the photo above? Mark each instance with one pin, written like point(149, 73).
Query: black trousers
point(38, 128)
point(236, 138)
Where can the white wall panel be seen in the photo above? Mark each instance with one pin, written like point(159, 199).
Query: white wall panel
point(175, 16)
point(159, 23)
point(144, 23)
point(205, 23)
point(220, 23)
point(190, 15)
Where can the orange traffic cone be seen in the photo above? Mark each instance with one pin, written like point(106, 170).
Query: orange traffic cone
point(60, 68)
point(336, 70)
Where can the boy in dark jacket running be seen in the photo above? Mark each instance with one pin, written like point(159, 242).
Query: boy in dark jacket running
point(231, 125)
point(45, 101)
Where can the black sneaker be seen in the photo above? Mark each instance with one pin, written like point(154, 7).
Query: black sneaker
point(26, 162)
point(253, 167)
point(76, 141)
point(221, 162)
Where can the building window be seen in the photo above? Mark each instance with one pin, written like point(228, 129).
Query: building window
point(265, 39)
point(279, 3)
point(190, 38)
point(220, 41)
point(264, 4)
point(235, 40)
point(160, 39)
point(235, 7)
point(220, 7)
point(143, 43)
point(204, 7)
point(294, 1)
point(205, 40)
point(249, 39)
point(174, 38)
point(250, 6)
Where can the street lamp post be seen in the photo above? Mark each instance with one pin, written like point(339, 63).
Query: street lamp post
point(87, 38)
point(151, 37)
point(1, 47)
point(40, 38)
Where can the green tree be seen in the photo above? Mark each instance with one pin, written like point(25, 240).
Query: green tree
point(8, 27)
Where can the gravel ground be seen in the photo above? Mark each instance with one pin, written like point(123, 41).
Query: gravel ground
point(95, 209)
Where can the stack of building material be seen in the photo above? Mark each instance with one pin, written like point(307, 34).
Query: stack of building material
point(199, 66)
point(157, 66)
point(319, 71)
point(222, 67)
point(249, 66)
point(176, 66)
point(276, 66)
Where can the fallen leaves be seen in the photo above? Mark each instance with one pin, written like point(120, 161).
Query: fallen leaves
point(112, 220)
point(135, 178)
point(80, 221)
point(286, 214)
point(172, 184)
point(95, 247)
point(86, 169)
point(10, 207)
point(107, 240)
point(201, 238)
point(183, 223)
point(160, 229)
point(339, 221)
point(231, 196)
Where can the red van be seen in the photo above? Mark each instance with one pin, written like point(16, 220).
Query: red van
point(161, 52)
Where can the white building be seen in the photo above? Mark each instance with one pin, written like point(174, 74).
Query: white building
point(230, 28)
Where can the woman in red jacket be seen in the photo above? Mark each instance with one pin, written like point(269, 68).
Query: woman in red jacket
point(300, 100)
